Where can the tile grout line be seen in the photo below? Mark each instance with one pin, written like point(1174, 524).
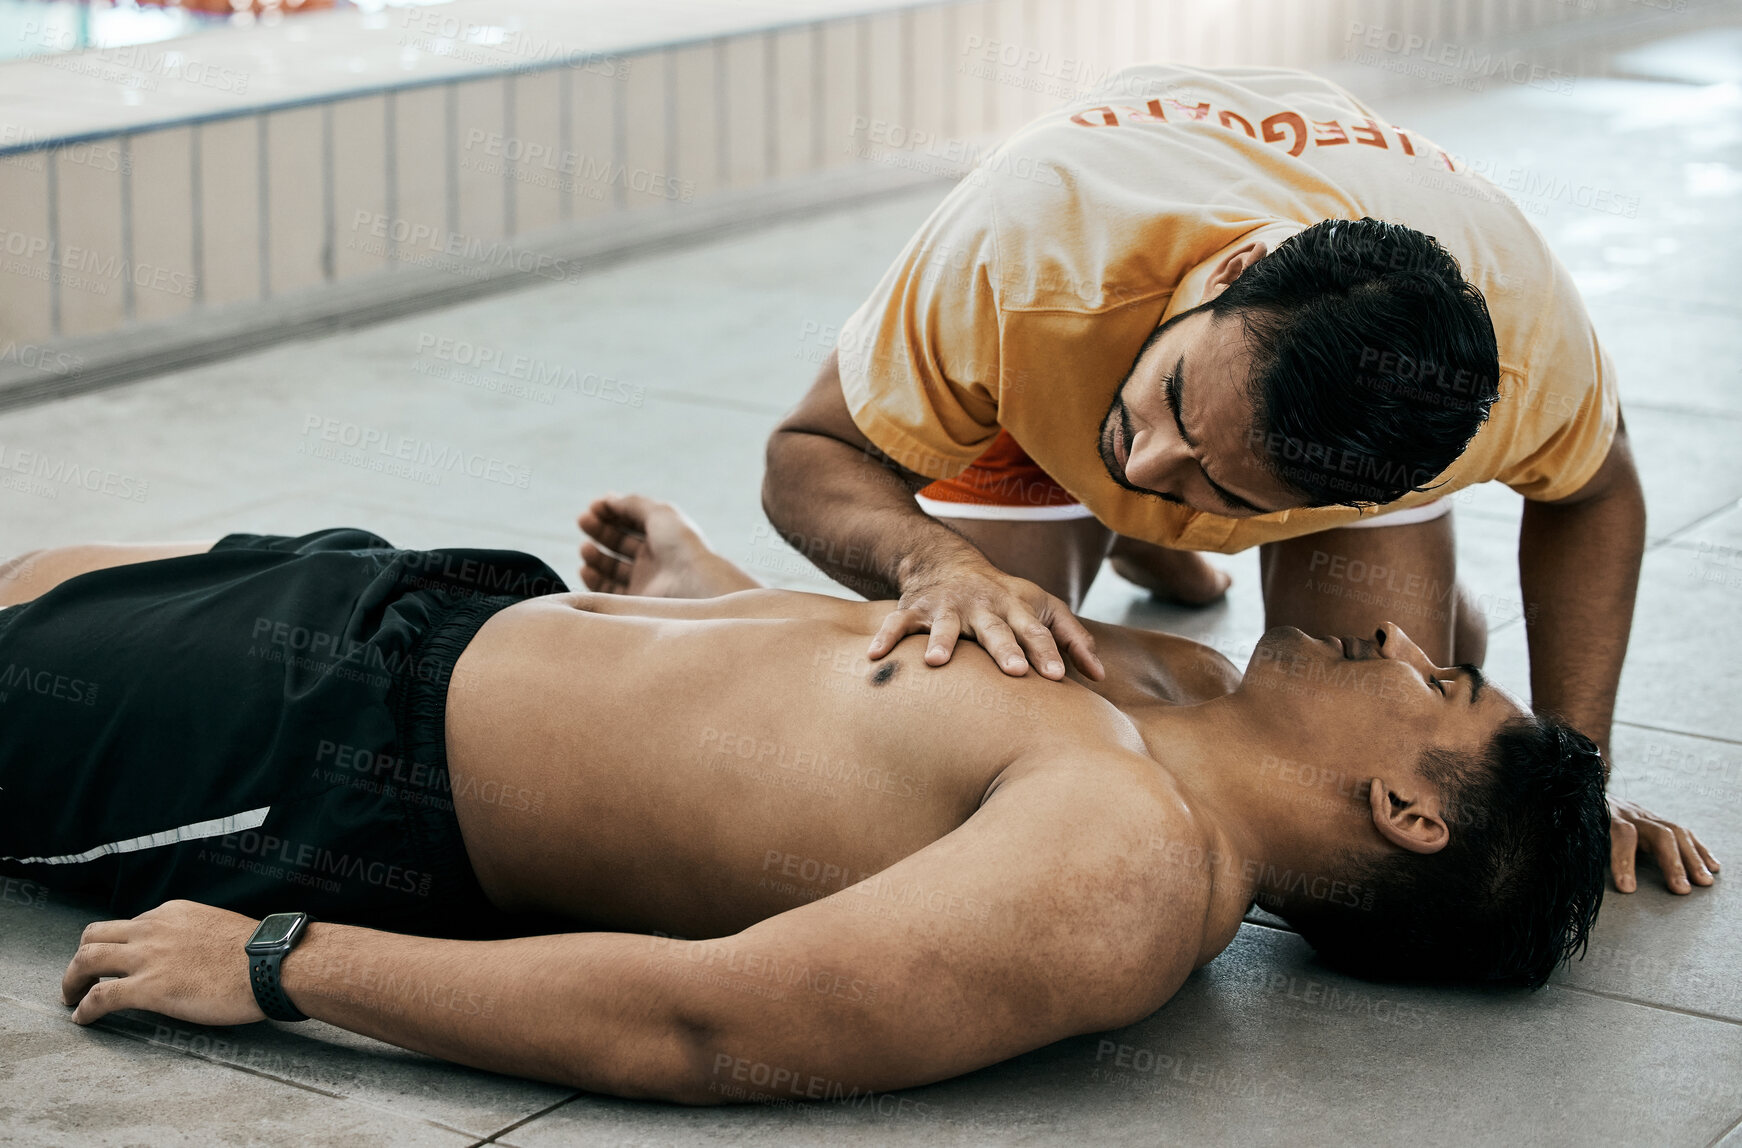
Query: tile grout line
point(288, 1082)
point(1698, 412)
point(129, 300)
point(263, 200)
point(1680, 732)
point(1674, 537)
point(1719, 1139)
point(190, 1054)
point(62, 1014)
point(749, 406)
point(525, 1120)
point(1682, 305)
point(1624, 999)
point(32, 1006)
point(254, 504)
point(51, 189)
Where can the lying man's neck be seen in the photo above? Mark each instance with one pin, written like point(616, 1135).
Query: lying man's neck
point(1279, 818)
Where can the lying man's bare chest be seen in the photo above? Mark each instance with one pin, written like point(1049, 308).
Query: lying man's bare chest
point(695, 775)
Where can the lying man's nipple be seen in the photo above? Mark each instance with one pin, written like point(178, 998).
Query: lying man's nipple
point(881, 676)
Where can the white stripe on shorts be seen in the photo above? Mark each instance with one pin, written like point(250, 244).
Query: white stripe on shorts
point(1426, 512)
point(217, 827)
point(940, 509)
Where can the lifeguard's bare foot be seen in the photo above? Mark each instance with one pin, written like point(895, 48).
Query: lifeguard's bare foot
point(642, 546)
point(1179, 576)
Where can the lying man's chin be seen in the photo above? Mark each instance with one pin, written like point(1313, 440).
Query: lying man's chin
point(1278, 641)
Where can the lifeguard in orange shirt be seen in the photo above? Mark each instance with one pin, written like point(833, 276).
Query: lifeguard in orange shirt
point(1207, 310)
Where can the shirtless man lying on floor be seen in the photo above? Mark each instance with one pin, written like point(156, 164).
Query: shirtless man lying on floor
point(899, 873)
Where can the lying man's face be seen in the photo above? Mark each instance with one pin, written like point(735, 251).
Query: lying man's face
point(1356, 697)
point(1477, 829)
point(1180, 426)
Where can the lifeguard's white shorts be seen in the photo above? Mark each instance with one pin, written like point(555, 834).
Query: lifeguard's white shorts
point(1004, 484)
point(1426, 512)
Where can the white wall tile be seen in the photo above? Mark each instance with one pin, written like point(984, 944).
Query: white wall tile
point(795, 100)
point(25, 309)
point(480, 177)
point(594, 93)
point(930, 71)
point(840, 104)
point(974, 86)
point(229, 224)
point(640, 182)
point(296, 199)
point(161, 192)
point(419, 225)
point(696, 119)
point(887, 102)
point(747, 68)
point(94, 276)
point(359, 184)
point(537, 177)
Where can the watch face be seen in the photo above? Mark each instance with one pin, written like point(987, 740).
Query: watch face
point(275, 930)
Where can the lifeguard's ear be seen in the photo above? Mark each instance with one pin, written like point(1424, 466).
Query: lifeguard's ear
point(1411, 820)
point(1234, 265)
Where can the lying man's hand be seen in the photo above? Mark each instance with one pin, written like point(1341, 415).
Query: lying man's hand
point(181, 959)
point(1677, 851)
point(1016, 621)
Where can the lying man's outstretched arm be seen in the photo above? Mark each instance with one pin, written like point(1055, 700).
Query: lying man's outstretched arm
point(1042, 917)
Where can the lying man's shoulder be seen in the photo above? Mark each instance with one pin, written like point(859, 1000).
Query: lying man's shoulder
point(1116, 844)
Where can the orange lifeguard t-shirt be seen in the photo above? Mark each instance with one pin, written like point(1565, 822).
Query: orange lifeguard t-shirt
point(1024, 299)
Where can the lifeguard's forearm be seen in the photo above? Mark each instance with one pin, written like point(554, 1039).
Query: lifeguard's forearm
point(852, 516)
point(1578, 565)
point(598, 1011)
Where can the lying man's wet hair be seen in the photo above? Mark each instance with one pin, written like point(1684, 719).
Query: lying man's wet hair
point(1515, 892)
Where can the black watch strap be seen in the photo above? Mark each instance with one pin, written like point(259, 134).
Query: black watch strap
point(268, 992)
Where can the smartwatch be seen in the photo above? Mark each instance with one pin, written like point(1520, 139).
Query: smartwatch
point(266, 949)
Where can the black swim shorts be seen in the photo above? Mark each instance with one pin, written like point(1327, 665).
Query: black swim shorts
point(259, 727)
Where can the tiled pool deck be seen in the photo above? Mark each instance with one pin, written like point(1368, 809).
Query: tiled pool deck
point(1636, 177)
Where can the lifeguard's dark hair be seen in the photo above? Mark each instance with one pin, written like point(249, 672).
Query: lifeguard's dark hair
point(1374, 360)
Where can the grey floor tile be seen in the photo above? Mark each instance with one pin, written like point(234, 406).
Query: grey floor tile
point(529, 481)
point(1681, 669)
point(1652, 945)
point(1267, 1047)
point(1669, 358)
point(87, 1088)
point(417, 528)
point(665, 374)
point(1717, 538)
point(1487, 570)
point(39, 932)
point(659, 323)
point(172, 509)
point(1642, 220)
point(1688, 464)
point(1680, 672)
point(319, 1056)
